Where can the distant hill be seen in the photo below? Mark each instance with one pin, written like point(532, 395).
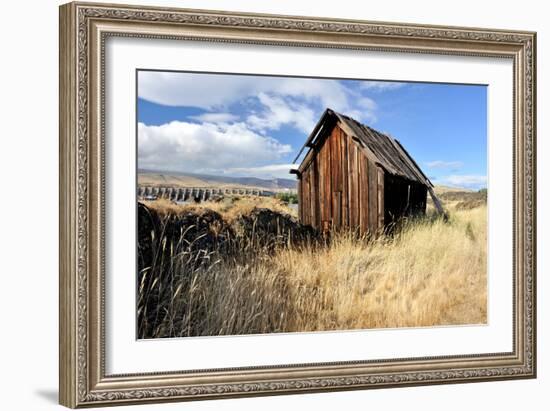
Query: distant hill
point(179, 179)
point(441, 189)
point(459, 198)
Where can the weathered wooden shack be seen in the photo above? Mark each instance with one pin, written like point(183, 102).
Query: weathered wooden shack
point(356, 177)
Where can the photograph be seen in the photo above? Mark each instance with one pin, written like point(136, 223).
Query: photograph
point(278, 204)
point(267, 203)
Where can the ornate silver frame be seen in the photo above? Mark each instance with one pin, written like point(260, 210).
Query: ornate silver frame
point(83, 30)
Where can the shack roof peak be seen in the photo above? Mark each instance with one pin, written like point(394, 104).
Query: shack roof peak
point(381, 148)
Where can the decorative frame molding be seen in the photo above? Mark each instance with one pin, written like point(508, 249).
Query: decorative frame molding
point(83, 30)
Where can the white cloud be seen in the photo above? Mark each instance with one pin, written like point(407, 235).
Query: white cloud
point(366, 103)
point(207, 147)
point(267, 171)
point(325, 93)
point(214, 92)
point(444, 164)
point(380, 85)
point(216, 117)
point(278, 111)
point(205, 91)
point(474, 182)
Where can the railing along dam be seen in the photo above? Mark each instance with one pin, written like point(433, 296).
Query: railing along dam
point(197, 193)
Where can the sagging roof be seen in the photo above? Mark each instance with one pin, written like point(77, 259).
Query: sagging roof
point(384, 150)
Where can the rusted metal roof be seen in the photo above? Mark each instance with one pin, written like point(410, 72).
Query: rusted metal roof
point(384, 150)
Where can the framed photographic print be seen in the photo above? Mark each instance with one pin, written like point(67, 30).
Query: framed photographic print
point(259, 204)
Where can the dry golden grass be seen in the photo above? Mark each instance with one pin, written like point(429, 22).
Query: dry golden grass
point(429, 273)
point(230, 207)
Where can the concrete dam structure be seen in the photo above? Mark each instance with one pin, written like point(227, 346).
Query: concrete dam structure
point(197, 194)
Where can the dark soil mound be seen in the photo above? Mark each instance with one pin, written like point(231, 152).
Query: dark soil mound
point(265, 227)
point(205, 230)
point(196, 234)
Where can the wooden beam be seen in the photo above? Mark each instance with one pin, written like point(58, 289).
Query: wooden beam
point(437, 203)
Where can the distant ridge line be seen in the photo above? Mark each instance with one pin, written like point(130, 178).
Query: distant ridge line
point(184, 179)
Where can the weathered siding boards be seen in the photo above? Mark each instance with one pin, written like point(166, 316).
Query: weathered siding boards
point(301, 198)
point(364, 194)
point(335, 177)
point(323, 186)
point(354, 187)
point(313, 198)
point(305, 191)
point(320, 187)
point(329, 183)
point(373, 198)
point(380, 189)
point(303, 195)
point(326, 197)
point(317, 188)
point(357, 171)
point(334, 161)
point(344, 143)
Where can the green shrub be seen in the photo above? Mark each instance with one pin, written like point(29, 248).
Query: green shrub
point(289, 198)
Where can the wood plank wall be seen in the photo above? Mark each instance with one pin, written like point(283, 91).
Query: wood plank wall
point(341, 188)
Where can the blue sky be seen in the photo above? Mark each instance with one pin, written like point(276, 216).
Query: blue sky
point(241, 125)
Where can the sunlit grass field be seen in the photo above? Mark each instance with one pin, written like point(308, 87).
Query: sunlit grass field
point(429, 272)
